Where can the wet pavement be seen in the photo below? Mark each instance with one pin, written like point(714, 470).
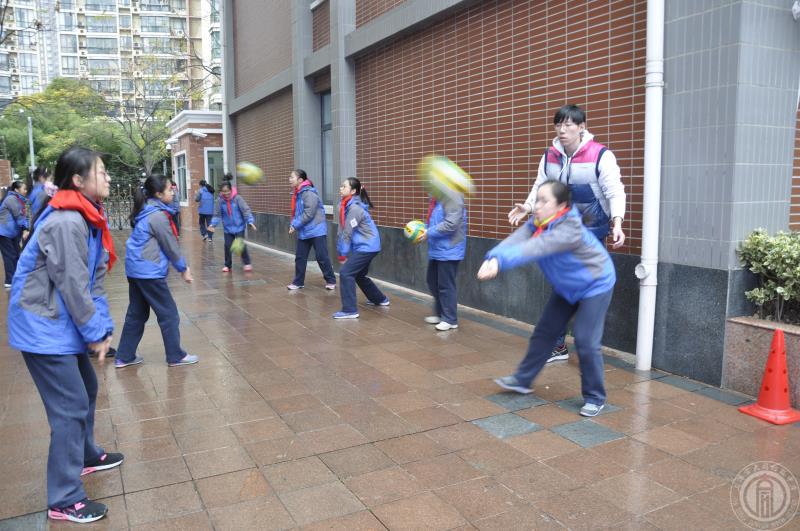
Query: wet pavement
point(293, 420)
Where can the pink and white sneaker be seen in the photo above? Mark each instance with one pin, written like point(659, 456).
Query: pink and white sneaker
point(248, 268)
point(226, 269)
point(83, 512)
point(104, 462)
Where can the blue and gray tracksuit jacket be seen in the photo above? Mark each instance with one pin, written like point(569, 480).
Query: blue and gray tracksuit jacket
point(572, 258)
point(58, 304)
point(237, 219)
point(308, 218)
point(152, 245)
point(36, 198)
point(13, 217)
point(358, 233)
point(206, 200)
point(447, 230)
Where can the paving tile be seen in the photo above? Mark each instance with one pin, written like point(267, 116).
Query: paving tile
point(423, 511)
point(383, 486)
point(261, 430)
point(682, 383)
point(728, 397)
point(402, 402)
point(150, 474)
point(515, 401)
point(587, 433)
point(583, 509)
point(149, 449)
point(104, 484)
point(411, 448)
point(32, 522)
point(479, 498)
point(506, 425)
point(630, 453)
point(494, 457)
point(441, 471)
point(430, 418)
point(260, 513)
point(162, 503)
point(320, 503)
point(459, 436)
point(360, 521)
point(294, 404)
point(218, 461)
point(145, 429)
point(356, 461)
point(542, 444)
point(681, 477)
point(202, 440)
point(299, 474)
point(671, 440)
point(191, 522)
point(635, 493)
point(585, 466)
point(233, 487)
point(575, 404)
point(686, 514)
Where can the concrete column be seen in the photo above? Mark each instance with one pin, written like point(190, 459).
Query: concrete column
point(306, 106)
point(343, 90)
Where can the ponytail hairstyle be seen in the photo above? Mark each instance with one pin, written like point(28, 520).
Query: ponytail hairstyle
point(40, 174)
point(155, 184)
point(13, 187)
point(301, 174)
point(204, 184)
point(361, 192)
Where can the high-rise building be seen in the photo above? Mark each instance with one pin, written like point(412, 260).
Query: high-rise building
point(134, 52)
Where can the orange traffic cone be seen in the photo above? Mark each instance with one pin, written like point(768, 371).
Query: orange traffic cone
point(773, 404)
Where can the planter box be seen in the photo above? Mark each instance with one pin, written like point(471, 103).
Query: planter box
point(747, 344)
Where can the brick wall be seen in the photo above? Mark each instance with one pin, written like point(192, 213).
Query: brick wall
point(322, 82)
point(262, 41)
point(482, 86)
point(6, 172)
point(366, 10)
point(794, 204)
point(264, 137)
point(194, 149)
point(321, 22)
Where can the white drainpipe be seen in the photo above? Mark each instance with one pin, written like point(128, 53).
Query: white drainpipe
point(647, 269)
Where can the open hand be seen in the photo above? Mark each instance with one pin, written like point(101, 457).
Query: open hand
point(252, 227)
point(210, 228)
point(291, 229)
point(518, 213)
point(618, 236)
point(489, 269)
point(187, 276)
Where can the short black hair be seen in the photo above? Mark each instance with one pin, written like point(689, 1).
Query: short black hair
point(570, 112)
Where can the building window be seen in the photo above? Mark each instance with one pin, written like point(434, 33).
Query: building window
point(107, 87)
point(101, 5)
point(5, 84)
point(28, 62)
point(216, 49)
point(69, 43)
point(179, 5)
point(66, 21)
point(125, 42)
point(3, 61)
point(214, 167)
point(180, 176)
point(24, 17)
point(28, 84)
point(101, 23)
point(125, 21)
point(125, 3)
point(26, 40)
point(103, 67)
point(155, 24)
point(154, 5)
point(328, 186)
point(67, 4)
point(101, 45)
point(126, 85)
point(69, 65)
point(177, 25)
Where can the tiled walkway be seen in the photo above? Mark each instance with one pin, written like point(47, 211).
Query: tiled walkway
point(294, 420)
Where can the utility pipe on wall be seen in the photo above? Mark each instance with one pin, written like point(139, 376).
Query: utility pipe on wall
point(647, 269)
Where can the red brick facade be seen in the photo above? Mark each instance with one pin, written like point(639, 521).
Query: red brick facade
point(367, 10)
point(794, 204)
point(321, 21)
point(6, 172)
point(264, 137)
point(481, 87)
point(261, 49)
point(194, 149)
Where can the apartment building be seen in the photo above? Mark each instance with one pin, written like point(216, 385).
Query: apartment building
point(134, 52)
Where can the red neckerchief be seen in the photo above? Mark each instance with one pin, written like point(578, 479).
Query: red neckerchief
point(431, 206)
point(297, 191)
point(230, 210)
point(94, 214)
point(343, 208)
point(172, 225)
point(540, 226)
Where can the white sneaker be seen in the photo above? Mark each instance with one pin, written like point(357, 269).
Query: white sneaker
point(432, 319)
point(444, 326)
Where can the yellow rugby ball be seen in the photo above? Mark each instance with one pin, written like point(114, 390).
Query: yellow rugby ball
point(248, 173)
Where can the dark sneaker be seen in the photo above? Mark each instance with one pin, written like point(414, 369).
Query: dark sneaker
point(559, 353)
point(82, 512)
point(119, 364)
point(510, 383)
point(104, 462)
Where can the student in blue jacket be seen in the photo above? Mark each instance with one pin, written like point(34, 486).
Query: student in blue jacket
point(58, 310)
point(37, 195)
point(582, 274)
point(151, 248)
point(358, 243)
point(234, 213)
point(175, 207)
point(308, 221)
point(13, 227)
point(205, 210)
point(447, 243)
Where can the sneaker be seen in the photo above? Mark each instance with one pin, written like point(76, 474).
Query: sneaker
point(226, 269)
point(330, 287)
point(591, 410)
point(292, 287)
point(82, 512)
point(118, 363)
point(248, 268)
point(559, 353)
point(204, 238)
point(384, 302)
point(444, 326)
point(432, 319)
point(511, 383)
point(210, 240)
point(188, 359)
point(112, 352)
point(345, 315)
point(104, 462)
point(7, 286)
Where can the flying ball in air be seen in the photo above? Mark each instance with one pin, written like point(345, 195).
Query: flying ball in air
point(248, 173)
point(443, 178)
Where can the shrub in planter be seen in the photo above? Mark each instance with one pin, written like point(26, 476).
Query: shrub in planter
point(776, 262)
